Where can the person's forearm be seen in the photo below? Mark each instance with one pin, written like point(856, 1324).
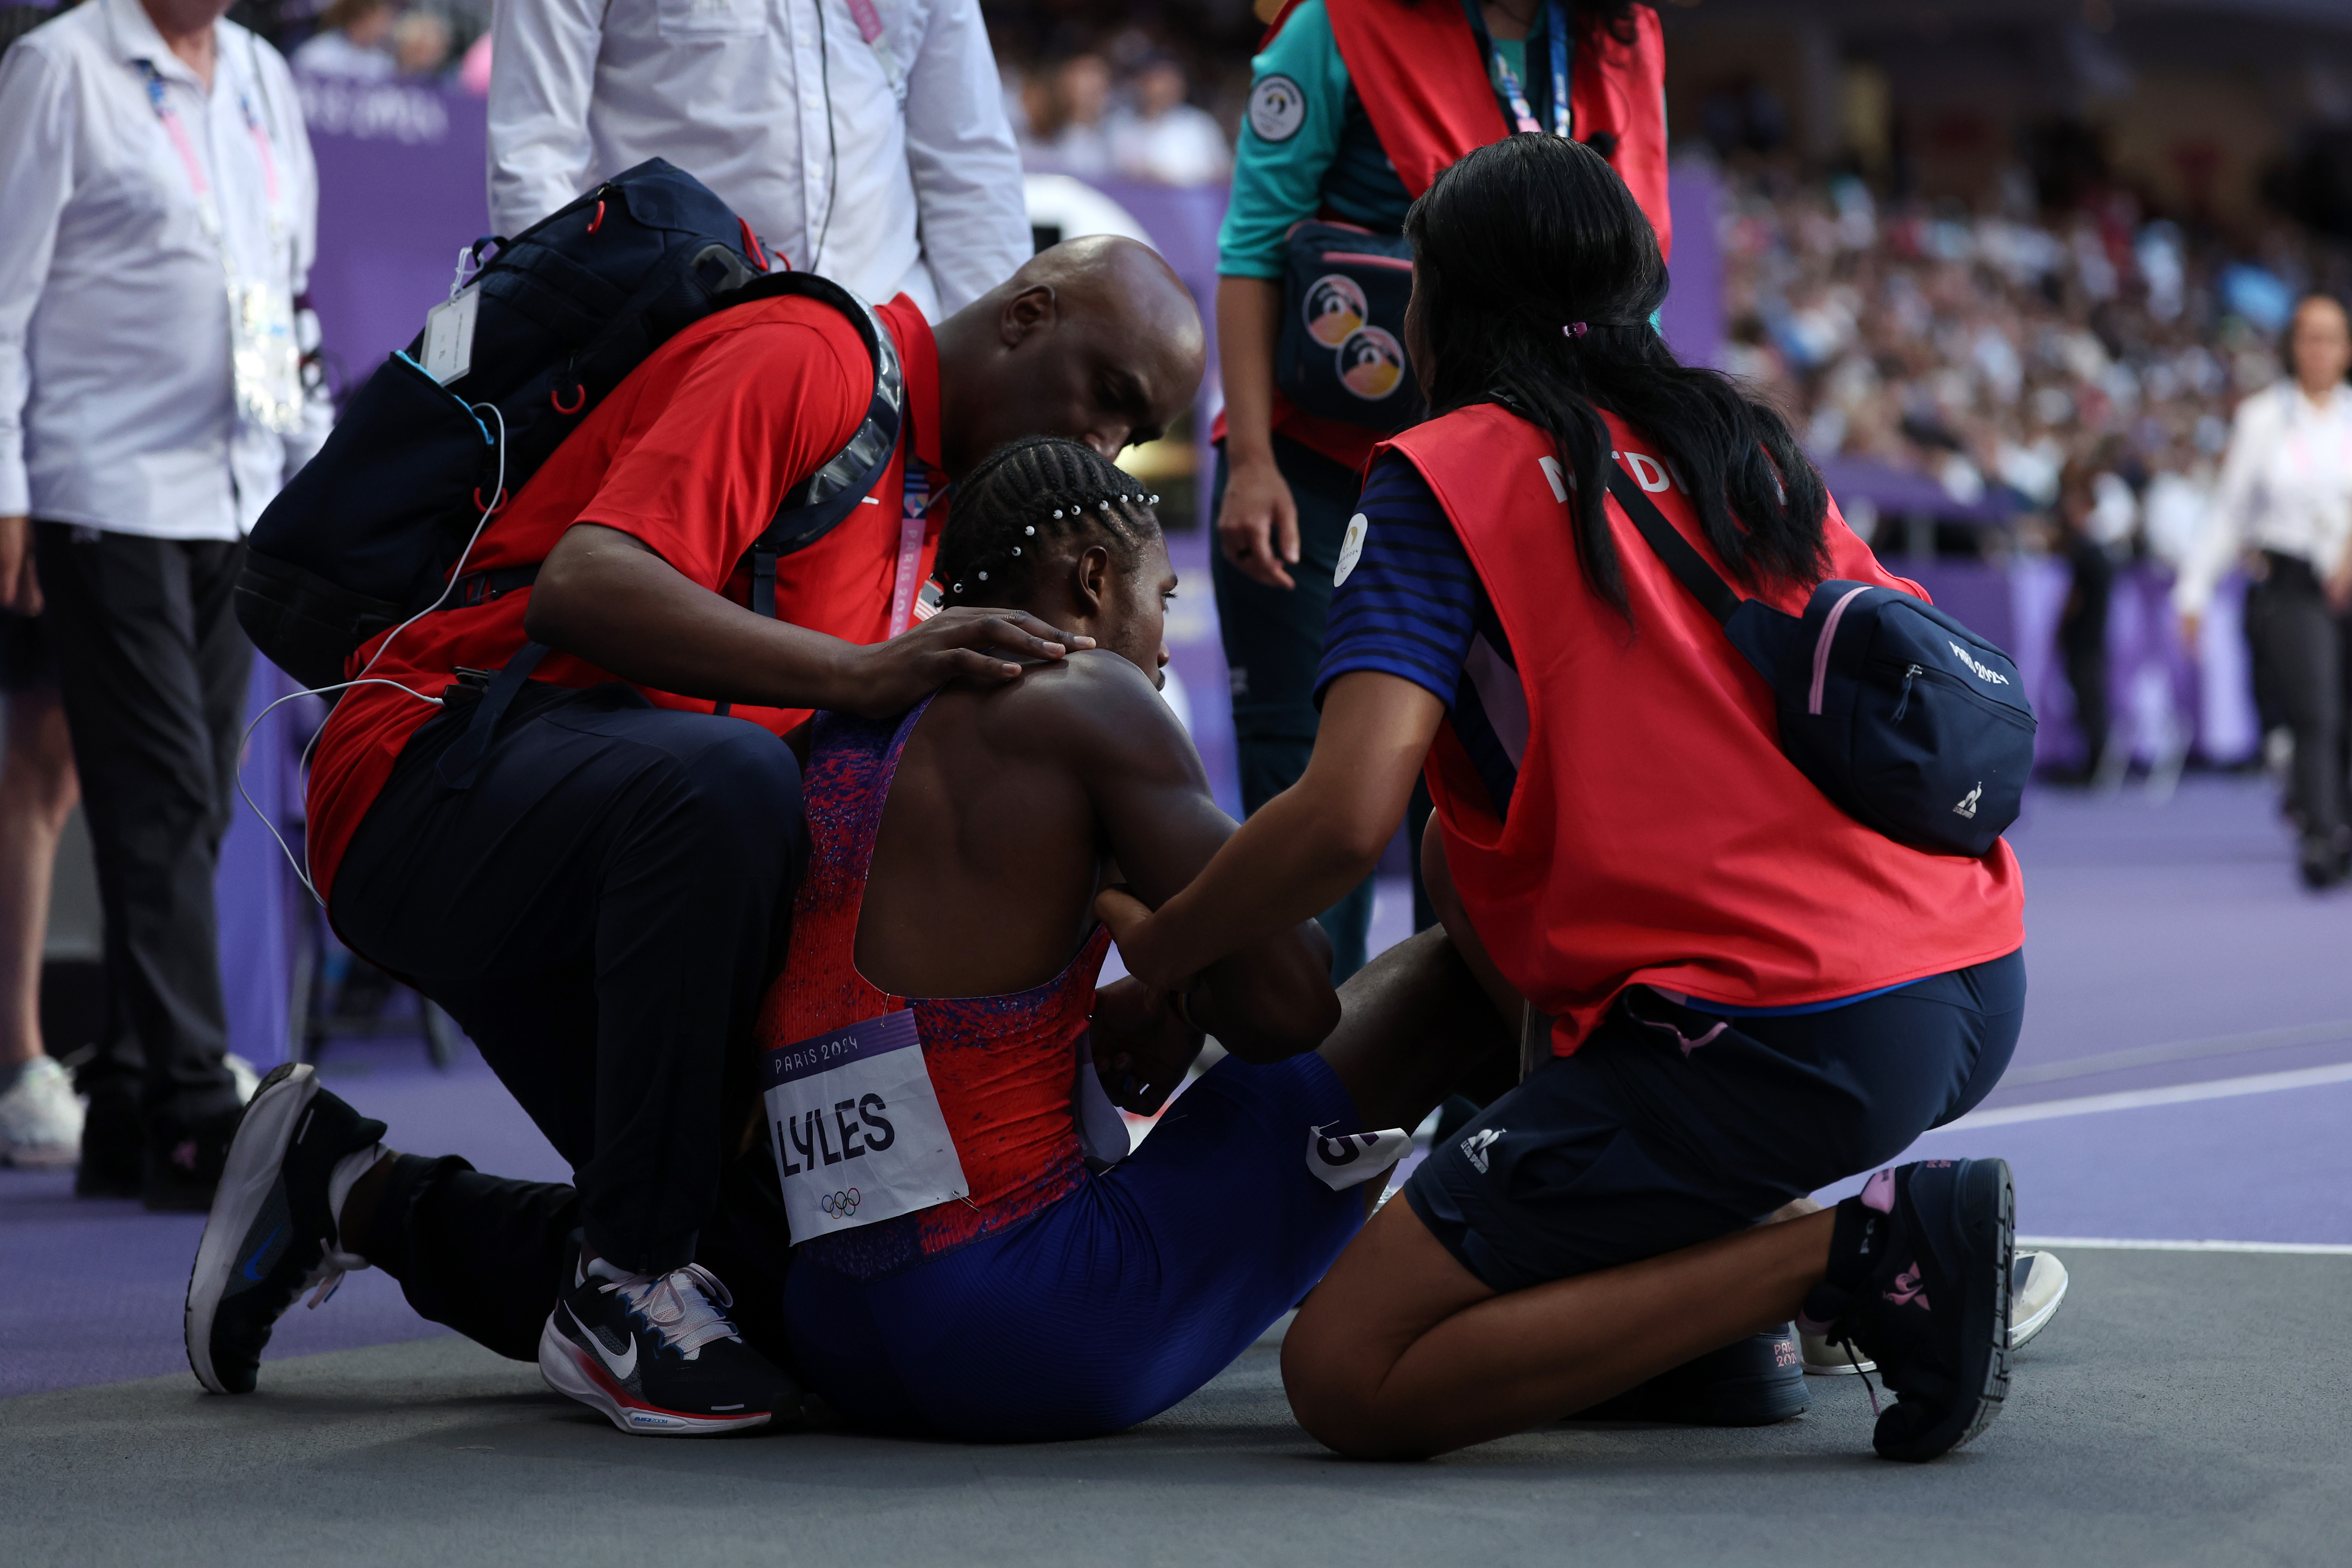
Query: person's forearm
point(608, 599)
point(1249, 310)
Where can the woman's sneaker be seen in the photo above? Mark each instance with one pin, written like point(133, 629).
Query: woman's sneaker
point(40, 1119)
point(1919, 1280)
point(656, 1355)
point(271, 1233)
point(1752, 1382)
point(2037, 1285)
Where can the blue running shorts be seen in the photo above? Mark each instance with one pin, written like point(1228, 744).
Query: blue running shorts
point(1106, 1308)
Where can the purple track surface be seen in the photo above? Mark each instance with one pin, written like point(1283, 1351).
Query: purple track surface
point(2172, 930)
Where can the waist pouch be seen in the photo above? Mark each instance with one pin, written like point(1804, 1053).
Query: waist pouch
point(1911, 723)
point(1340, 353)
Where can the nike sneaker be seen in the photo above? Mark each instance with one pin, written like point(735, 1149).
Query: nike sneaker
point(271, 1233)
point(40, 1119)
point(656, 1354)
point(1918, 1281)
point(2037, 1284)
point(1754, 1383)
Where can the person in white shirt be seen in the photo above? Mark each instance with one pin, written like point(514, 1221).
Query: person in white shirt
point(1165, 139)
point(862, 139)
point(161, 209)
point(2284, 506)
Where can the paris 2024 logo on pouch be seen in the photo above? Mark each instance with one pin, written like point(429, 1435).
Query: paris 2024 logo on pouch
point(1335, 308)
point(1371, 363)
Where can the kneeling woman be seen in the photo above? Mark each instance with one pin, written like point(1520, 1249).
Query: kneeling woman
point(1752, 995)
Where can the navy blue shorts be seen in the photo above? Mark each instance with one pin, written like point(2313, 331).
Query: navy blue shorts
point(1110, 1305)
point(1671, 1126)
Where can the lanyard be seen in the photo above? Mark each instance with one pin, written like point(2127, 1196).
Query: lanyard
point(175, 128)
point(1556, 34)
point(913, 524)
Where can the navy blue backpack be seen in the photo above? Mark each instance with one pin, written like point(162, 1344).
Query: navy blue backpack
point(367, 533)
point(1910, 723)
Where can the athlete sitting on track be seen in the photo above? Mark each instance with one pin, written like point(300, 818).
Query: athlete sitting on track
point(962, 1270)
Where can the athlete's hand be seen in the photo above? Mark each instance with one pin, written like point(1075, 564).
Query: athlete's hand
point(1259, 522)
point(1131, 925)
point(1142, 1045)
point(20, 585)
point(980, 645)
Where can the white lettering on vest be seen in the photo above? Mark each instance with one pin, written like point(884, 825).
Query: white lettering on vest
point(1648, 470)
point(1553, 476)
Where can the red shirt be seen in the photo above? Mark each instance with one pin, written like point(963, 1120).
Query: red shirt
point(1657, 834)
point(691, 454)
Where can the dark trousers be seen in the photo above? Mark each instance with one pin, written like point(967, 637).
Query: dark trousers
point(488, 1255)
point(2306, 647)
point(1274, 646)
point(598, 910)
point(152, 665)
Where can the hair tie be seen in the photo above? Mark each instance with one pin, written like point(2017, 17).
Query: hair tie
point(1574, 330)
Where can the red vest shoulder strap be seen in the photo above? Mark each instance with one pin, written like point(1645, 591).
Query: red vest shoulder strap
point(1417, 71)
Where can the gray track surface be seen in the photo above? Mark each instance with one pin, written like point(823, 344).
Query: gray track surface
point(2184, 1408)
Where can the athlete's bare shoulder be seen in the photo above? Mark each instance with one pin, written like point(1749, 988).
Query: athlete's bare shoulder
point(1093, 707)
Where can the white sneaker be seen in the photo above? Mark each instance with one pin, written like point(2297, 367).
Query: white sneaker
point(2037, 1283)
point(40, 1119)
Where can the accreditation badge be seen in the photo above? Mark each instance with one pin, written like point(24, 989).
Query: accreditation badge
point(264, 356)
point(857, 1128)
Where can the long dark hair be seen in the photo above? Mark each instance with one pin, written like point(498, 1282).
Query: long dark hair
point(1529, 235)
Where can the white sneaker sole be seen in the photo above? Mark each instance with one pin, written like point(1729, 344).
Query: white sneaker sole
point(573, 1374)
point(254, 1159)
point(2024, 1329)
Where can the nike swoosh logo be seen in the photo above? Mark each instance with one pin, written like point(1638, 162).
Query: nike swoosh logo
point(622, 1368)
point(252, 1264)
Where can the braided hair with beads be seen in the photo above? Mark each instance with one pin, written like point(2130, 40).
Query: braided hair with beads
point(1025, 495)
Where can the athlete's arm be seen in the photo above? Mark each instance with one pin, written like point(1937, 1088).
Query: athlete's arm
point(1304, 848)
point(608, 597)
point(1150, 796)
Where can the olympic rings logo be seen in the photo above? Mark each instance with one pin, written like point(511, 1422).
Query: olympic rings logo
point(840, 1205)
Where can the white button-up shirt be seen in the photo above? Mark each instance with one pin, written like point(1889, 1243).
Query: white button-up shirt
point(912, 184)
point(2287, 485)
point(117, 401)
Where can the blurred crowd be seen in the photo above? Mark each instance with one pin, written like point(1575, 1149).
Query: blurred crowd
point(380, 41)
point(1991, 349)
point(1124, 109)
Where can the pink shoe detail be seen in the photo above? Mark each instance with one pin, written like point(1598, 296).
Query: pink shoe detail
point(1907, 1289)
point(1878, 1193)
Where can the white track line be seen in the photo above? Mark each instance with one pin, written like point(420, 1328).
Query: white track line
point(2116, 1244)
point(2134, 1099)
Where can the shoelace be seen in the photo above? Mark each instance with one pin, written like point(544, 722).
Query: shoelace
point(679, 1305)
point(1845, 1342)
point(329, 1276)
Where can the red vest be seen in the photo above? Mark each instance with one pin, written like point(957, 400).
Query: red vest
point(1415, 65)
point(1656, 834)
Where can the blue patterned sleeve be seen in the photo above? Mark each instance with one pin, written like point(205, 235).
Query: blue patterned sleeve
point(1408, 603)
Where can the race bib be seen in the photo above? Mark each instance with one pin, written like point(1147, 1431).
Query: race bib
point(858, 1133)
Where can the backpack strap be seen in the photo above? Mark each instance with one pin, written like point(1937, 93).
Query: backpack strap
point(1681, 557)
point(818, 504)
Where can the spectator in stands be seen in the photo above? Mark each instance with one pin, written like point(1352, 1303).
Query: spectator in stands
point(1164, 138)
point(1072, 138)
point(2285, 498)
point(420, 44)
point(354, 42)
point(151, 401)
point(880, 158)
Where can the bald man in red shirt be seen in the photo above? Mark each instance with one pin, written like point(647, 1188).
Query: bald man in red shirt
point(596, 896)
